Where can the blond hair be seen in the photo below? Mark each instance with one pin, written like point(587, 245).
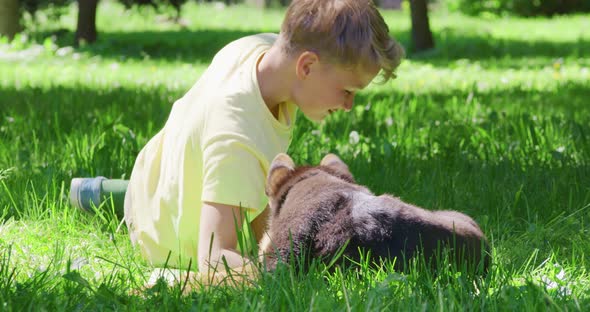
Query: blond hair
point(344, 32)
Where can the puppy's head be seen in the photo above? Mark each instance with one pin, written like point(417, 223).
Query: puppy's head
point(283, 175)
point(301, 200)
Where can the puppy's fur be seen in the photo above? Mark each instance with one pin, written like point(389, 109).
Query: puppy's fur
point(315, 211)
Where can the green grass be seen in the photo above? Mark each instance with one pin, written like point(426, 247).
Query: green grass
point(494, 123)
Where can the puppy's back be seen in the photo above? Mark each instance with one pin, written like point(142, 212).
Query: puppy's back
point(392, 228)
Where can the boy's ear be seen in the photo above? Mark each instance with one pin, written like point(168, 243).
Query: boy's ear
point(335, 163)
point(280, 167)
point(305, 61)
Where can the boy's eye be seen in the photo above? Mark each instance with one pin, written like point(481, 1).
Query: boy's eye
point(348, 92)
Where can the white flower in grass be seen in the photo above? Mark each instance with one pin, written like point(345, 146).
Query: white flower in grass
point(315, 132)
point(78, 263)
point(368, 107)
point(504, 80)
point(354, 137)
point(560, 149)
point(64, 51)
point(389, 121)
point(584, 71)
point(561, 275)
point(114, 66)
point(559, 282)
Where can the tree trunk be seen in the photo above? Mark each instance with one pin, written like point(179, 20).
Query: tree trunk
point(86, 29)
point(421, 34)
point(9, 18)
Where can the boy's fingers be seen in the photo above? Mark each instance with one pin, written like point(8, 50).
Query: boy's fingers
point(196, 281)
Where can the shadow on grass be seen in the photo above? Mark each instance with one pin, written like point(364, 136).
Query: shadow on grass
point(130, 116)
point(566, 98)
point(66, 132)
point(453, 45)
point(198, 46)
point(201, 46)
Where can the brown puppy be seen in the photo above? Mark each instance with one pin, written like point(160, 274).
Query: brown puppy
point(316, 211)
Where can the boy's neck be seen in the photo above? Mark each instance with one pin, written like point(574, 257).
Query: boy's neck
point(272, 72)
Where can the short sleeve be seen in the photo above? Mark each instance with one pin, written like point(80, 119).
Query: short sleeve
point(232, 175)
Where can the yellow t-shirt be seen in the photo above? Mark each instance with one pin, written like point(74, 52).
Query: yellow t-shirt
point(216, 146)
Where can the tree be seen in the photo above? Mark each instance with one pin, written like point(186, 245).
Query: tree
point(86, 28)
point(87, 10)
point(9, 18)
point(421, 35)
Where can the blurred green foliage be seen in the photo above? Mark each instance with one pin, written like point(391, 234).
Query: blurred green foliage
point(54, 9)
point(519, 7)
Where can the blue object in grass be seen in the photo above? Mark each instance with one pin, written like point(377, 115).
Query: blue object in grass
point(86, 193)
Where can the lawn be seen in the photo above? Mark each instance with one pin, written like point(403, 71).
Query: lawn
point(494, 123)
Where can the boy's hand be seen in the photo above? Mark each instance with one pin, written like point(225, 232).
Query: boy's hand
point(190, 281)
point(219, 262)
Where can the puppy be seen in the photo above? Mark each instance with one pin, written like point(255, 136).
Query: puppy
point(320, 211)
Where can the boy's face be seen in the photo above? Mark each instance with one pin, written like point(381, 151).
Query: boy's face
point(325, 88)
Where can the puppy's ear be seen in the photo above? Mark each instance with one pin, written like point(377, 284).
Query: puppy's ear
point(280, 167)
point(335, 163)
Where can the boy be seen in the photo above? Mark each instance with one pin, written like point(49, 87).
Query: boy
point(196, 180)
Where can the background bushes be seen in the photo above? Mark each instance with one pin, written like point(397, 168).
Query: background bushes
point(520, 7)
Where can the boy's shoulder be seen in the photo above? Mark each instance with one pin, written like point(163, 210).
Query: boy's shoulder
point(264, 38)
point(247, 44)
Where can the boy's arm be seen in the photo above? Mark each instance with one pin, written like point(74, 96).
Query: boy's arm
point(218, 237)
point(218, 220)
